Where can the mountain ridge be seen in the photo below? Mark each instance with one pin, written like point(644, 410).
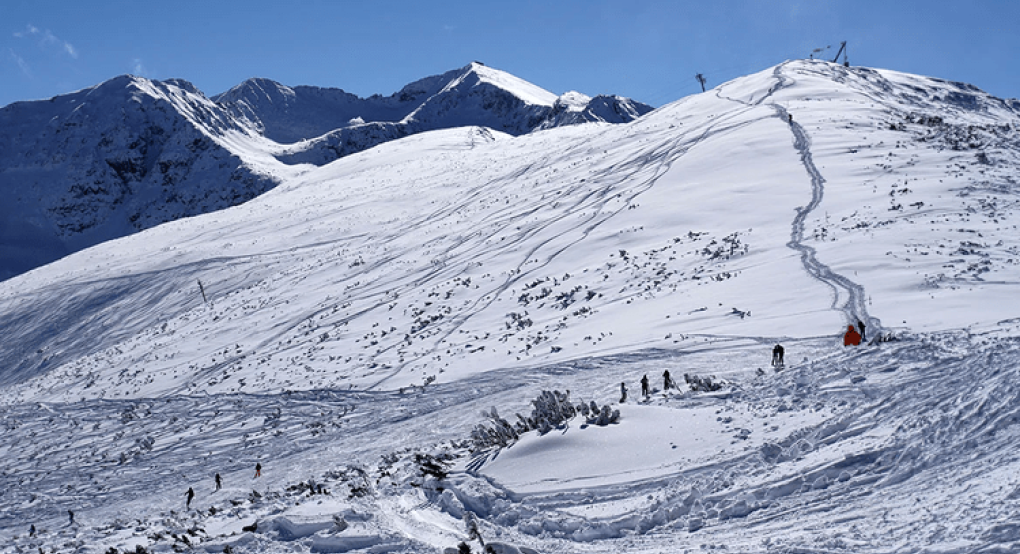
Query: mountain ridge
point(132, 153)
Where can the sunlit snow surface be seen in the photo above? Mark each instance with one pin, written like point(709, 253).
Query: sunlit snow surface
point(373, 307)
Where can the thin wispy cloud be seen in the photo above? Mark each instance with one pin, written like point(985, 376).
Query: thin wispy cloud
point(22, 64)
point(137, 68)
point(47, 38)
point(29, 30)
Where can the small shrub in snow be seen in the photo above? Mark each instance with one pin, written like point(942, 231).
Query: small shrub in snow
point(551, 410)
point(471, 523)
point(605, 416)
point(430, 466)
point(498, 432)
point(702, 384)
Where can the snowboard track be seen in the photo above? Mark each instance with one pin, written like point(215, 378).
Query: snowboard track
point(848, 297)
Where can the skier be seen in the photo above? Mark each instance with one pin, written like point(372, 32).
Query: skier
point(644, 386)
point(190, 494)
point(852, 337)
point(667, 381)
point(258, 469)
point(219, 483)
point(860, 325)
point(31, 530)
point(70, 517)
point(623, 393)
point(777, 355)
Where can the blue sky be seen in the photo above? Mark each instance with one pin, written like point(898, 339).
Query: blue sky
point(649, 50)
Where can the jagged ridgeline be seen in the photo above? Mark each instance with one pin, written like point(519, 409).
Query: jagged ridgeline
point(131, 153)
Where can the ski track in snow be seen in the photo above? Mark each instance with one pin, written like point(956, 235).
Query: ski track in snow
point(904, 445)
point(854, 307)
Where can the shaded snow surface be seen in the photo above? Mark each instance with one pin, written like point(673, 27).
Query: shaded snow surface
point(365, 313)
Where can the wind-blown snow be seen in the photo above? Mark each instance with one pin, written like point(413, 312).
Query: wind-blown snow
point(368, 310)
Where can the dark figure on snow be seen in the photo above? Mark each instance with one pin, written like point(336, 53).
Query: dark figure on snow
point(623, 392)
point(860, 325)
point(70, 517)
point(790, 117)
point(191, 495)
point(667, 381)
point(31, 530)
point(777, 355)
point(219, 482)
point(852, 337)
point(644, 386)
point(258, 469)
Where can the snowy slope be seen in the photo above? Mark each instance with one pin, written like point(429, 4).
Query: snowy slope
point(371, 308)
point(132, 153)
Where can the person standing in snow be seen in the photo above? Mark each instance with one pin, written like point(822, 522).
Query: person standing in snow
point(70, 517)
point(623, 392)
point(258, 469)
point(190, 494)
point(777, 355)
point(219, 483)
point(860, 325)
point(667, 381)
point(852, 337)
point(31, 530)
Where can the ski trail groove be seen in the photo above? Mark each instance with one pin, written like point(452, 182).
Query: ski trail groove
point(854, 306)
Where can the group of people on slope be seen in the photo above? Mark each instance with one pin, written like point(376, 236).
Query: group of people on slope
point(850, 338)
point(190, 494)
point(667, 383)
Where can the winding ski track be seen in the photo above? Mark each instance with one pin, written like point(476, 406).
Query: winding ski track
point(848, 296)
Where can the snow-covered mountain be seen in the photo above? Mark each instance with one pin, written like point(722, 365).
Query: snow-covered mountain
point(348, 328)
point(322, 125)
point(132, 153)
point(104, 162)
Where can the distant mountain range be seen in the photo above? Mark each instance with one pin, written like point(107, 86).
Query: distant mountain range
point(132, 153)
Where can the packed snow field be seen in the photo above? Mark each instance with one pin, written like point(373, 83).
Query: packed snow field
point(366, 330)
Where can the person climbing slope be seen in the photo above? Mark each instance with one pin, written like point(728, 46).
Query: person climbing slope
point(852, 337)
point(777, 355)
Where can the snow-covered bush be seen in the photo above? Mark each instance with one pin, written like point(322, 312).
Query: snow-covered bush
point(605, 416)
point(430, 466)
point(551, 410)
point(498, 432)
point(702, 384)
